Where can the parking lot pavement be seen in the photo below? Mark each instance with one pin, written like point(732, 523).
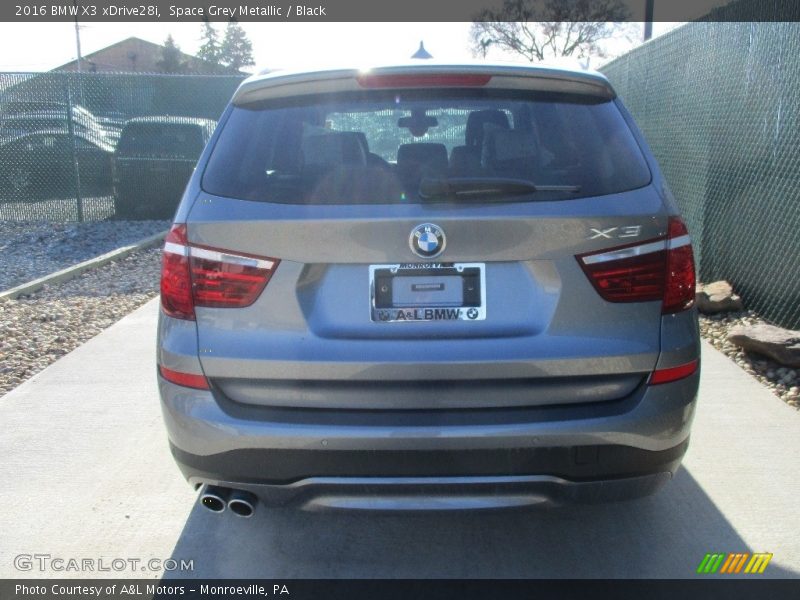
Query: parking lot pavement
point(87, 473)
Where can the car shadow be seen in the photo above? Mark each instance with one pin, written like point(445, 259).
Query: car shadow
point(662, 536)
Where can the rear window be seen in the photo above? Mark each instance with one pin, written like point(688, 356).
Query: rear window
point(378, 147)
point(161, 140)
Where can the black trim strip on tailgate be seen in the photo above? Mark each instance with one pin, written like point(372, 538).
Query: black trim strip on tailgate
point(428, 394)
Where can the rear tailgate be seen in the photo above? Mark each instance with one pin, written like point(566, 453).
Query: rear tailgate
point(309, 339)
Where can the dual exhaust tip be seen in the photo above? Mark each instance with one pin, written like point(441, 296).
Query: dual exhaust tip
point(216, 499)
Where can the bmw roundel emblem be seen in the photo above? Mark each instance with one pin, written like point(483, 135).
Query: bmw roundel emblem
point(427, 240)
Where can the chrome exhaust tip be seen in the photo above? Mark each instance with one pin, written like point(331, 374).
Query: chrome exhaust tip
point(242, 504)
point(214, 498)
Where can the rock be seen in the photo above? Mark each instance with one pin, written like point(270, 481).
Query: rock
point(717, 297)
point(781, 345)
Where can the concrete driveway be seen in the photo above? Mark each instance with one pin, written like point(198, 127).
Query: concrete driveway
point(87, 473)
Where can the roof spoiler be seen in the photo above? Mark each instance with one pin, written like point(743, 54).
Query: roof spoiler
point(283, 84)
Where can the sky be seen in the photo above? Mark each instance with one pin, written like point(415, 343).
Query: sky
point(43, 46)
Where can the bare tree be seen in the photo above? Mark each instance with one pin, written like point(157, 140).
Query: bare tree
point(543, 29)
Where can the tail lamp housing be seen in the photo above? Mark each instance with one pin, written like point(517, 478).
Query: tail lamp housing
point(194, 275)
point(657, 269)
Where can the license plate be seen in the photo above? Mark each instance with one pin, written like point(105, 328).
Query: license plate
point(427, 292)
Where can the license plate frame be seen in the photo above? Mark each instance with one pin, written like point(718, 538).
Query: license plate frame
point(471, 308)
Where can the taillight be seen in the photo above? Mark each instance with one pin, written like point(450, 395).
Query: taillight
point(221, 279)
point(680, 286)
point(176, 281)
point(422, 80)
point(661, 269)
point(195, 275)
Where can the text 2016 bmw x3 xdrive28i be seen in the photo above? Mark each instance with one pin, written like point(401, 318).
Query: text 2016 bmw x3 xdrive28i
point(427, 287)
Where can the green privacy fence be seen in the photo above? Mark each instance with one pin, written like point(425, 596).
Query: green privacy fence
point(719, 104)
point(59, 135)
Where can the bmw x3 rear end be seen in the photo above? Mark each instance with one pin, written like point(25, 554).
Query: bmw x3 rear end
point(427, 287)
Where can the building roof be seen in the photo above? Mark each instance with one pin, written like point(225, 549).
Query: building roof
point(422, 52)
point(135, 55)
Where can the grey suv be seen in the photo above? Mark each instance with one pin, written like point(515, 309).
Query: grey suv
point(427, 287)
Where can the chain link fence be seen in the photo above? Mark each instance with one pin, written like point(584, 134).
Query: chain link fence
point(97, 145)
point(717, 101)
point(719, 104)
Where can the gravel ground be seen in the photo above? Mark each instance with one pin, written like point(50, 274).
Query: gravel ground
point(783, 381)
point(38, 329)
point(32, 249)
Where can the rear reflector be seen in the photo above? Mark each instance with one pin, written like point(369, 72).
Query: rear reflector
point(673, 373)
point(660, 269)
point(191, 380)
point(422, 80)
point(195, 275)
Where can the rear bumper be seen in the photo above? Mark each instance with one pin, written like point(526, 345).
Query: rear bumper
point(411, 460)
point(443, 480)
point(288, 466)
point(397, 494)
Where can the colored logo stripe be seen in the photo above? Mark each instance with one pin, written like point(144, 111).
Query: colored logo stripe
point(758, 563)
point(710, 563)
point(734, 562)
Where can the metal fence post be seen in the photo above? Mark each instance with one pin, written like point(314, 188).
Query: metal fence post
point(75, 164)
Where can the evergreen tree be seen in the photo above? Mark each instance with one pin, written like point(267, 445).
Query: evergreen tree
point(237, 50)
point(170, 57)
point(210, 49)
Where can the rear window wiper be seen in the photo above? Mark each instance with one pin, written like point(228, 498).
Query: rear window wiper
point(482, 187)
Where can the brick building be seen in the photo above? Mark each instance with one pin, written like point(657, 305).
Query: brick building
point(134, 55)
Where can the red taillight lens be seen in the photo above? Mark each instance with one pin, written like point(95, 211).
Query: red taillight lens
point(661, 269)
point(200, 276)
point(198, 382)
point(176, 282)
point(422, 80)
point(224, 280)
point(629, 279)
point(680, 286)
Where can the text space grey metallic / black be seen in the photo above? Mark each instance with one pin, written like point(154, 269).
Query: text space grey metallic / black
point(427, 287)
